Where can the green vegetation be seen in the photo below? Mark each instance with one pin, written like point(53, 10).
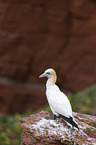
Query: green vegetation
point(85, 101)
point(10, 130)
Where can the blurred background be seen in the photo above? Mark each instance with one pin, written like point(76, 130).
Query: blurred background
point(39, 34)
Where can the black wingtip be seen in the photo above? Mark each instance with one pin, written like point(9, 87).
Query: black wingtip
point(74, 124)
point(70, 120)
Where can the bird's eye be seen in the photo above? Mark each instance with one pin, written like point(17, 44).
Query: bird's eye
point(48, 73)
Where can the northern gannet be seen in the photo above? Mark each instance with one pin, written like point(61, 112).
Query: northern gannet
point(58, 101)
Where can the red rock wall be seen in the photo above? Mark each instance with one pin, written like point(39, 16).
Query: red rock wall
point(38, 34)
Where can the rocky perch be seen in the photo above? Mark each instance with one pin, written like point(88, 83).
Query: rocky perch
point(39, 131)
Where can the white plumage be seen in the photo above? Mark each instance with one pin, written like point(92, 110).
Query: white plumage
point(58, 101)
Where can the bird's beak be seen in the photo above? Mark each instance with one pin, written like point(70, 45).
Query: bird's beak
point(43, 75)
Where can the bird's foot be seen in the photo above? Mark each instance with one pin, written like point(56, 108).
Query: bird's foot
point(56, 117)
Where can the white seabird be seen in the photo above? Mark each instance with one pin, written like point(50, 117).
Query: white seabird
point(58, 101)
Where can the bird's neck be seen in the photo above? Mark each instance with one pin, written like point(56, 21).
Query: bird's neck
point(51, 81)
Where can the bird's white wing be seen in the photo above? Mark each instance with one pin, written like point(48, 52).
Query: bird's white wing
point(58, 102)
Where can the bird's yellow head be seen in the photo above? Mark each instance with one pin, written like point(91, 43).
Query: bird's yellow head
point(50, 74)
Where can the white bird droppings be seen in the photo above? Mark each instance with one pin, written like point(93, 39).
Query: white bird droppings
point(52, 129)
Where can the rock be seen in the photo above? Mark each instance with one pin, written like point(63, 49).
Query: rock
point(29, 30)
point(40, 131)
point(21, 98)
point(36, 35)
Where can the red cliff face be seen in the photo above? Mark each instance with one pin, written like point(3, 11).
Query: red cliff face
point(36, 35)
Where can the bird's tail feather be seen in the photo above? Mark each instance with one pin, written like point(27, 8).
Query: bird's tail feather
point(70, 120)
